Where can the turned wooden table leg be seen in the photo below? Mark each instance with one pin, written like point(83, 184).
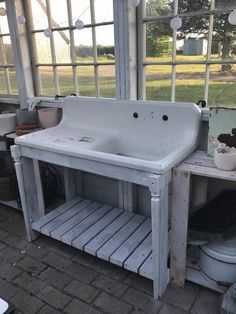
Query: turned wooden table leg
point(30, 188)
point(159, 212)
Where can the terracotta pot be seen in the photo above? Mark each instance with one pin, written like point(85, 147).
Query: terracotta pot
point(27, 128)
point(48, 117)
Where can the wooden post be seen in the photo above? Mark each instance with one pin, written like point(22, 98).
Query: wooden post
point(30, 189)
point(179, 226)
point(159, 211)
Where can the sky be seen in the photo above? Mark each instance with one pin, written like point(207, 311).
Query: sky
point(80, 10)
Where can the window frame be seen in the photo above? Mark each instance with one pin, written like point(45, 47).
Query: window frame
point(5, 65)
point(73, 64)
point(141, 48)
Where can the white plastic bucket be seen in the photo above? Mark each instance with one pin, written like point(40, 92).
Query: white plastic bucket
point(218, 261)
point(7, 123)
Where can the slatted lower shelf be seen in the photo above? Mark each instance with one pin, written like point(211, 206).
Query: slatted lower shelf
point(112, 234)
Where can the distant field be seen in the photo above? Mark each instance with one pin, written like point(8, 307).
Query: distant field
point(190, 81)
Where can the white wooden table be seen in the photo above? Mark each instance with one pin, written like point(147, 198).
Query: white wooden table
point(124, 238)
point(202, 166)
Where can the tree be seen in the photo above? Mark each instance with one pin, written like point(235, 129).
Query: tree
point(157, 33)
point(224, 33)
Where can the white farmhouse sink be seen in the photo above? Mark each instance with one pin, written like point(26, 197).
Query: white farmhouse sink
point(145, 135)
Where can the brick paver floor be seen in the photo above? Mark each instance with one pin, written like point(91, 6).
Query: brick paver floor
point(46, 276)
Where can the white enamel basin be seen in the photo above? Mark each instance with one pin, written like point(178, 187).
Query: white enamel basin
point(151, 136)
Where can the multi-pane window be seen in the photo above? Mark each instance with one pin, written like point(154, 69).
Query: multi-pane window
point(8, 85)
point(70, 60)
point(197, 61)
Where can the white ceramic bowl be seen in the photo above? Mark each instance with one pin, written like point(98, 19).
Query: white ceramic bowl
point(225, 160)
point(218, 260)
point(7, 123)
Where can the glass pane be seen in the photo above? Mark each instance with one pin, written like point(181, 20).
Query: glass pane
point(81, 10)
point(107, 84)
point(4, 29)
point(158, 82)
point(47, 81)
point(188, 6)
point(86, 81)
point(13, 81)
point(225, 4)
point(83, 45)
point(3, 89)
point(59, 13)
point(222, 85)
point(159, 8)
point(105, 43)
point(43, 50)
point(224, 38)
point(6, 55)
point(190, 82)
point(103, 11)
point(62, 46)
point(159, 41)
point(39, 15)
point(192, 38)
point(65, 75)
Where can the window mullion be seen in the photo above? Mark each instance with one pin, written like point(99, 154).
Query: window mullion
point(32, 47)
point(72, 48)
point(208, 56)
point(173, 75)
point(20, 51)
point(52, 45)
point(141, 41)
point(95, 57)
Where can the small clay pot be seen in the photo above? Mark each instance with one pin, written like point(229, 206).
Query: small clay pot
point(48, 117)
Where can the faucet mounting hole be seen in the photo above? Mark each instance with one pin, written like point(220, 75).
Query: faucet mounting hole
point(135, 115)
point(165, 117)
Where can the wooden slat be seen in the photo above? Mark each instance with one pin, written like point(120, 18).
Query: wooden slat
point(69, 236)
point(137, 258)
point(208, 172)
point(127, 248)
point(55, 213)
point(201, 162)
point(95, 229)
point(110, 246)
point(52, 225)
point(75, 220)
point(93, 246)
point(146, 270)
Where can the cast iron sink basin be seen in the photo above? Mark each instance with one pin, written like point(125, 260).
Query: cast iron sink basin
point(146, 135)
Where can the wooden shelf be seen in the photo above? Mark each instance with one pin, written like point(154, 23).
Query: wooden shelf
point(112, 234)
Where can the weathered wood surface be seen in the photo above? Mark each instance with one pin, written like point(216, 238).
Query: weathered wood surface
point(203, 167)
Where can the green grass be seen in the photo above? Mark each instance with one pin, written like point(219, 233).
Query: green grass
point(189, 82)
